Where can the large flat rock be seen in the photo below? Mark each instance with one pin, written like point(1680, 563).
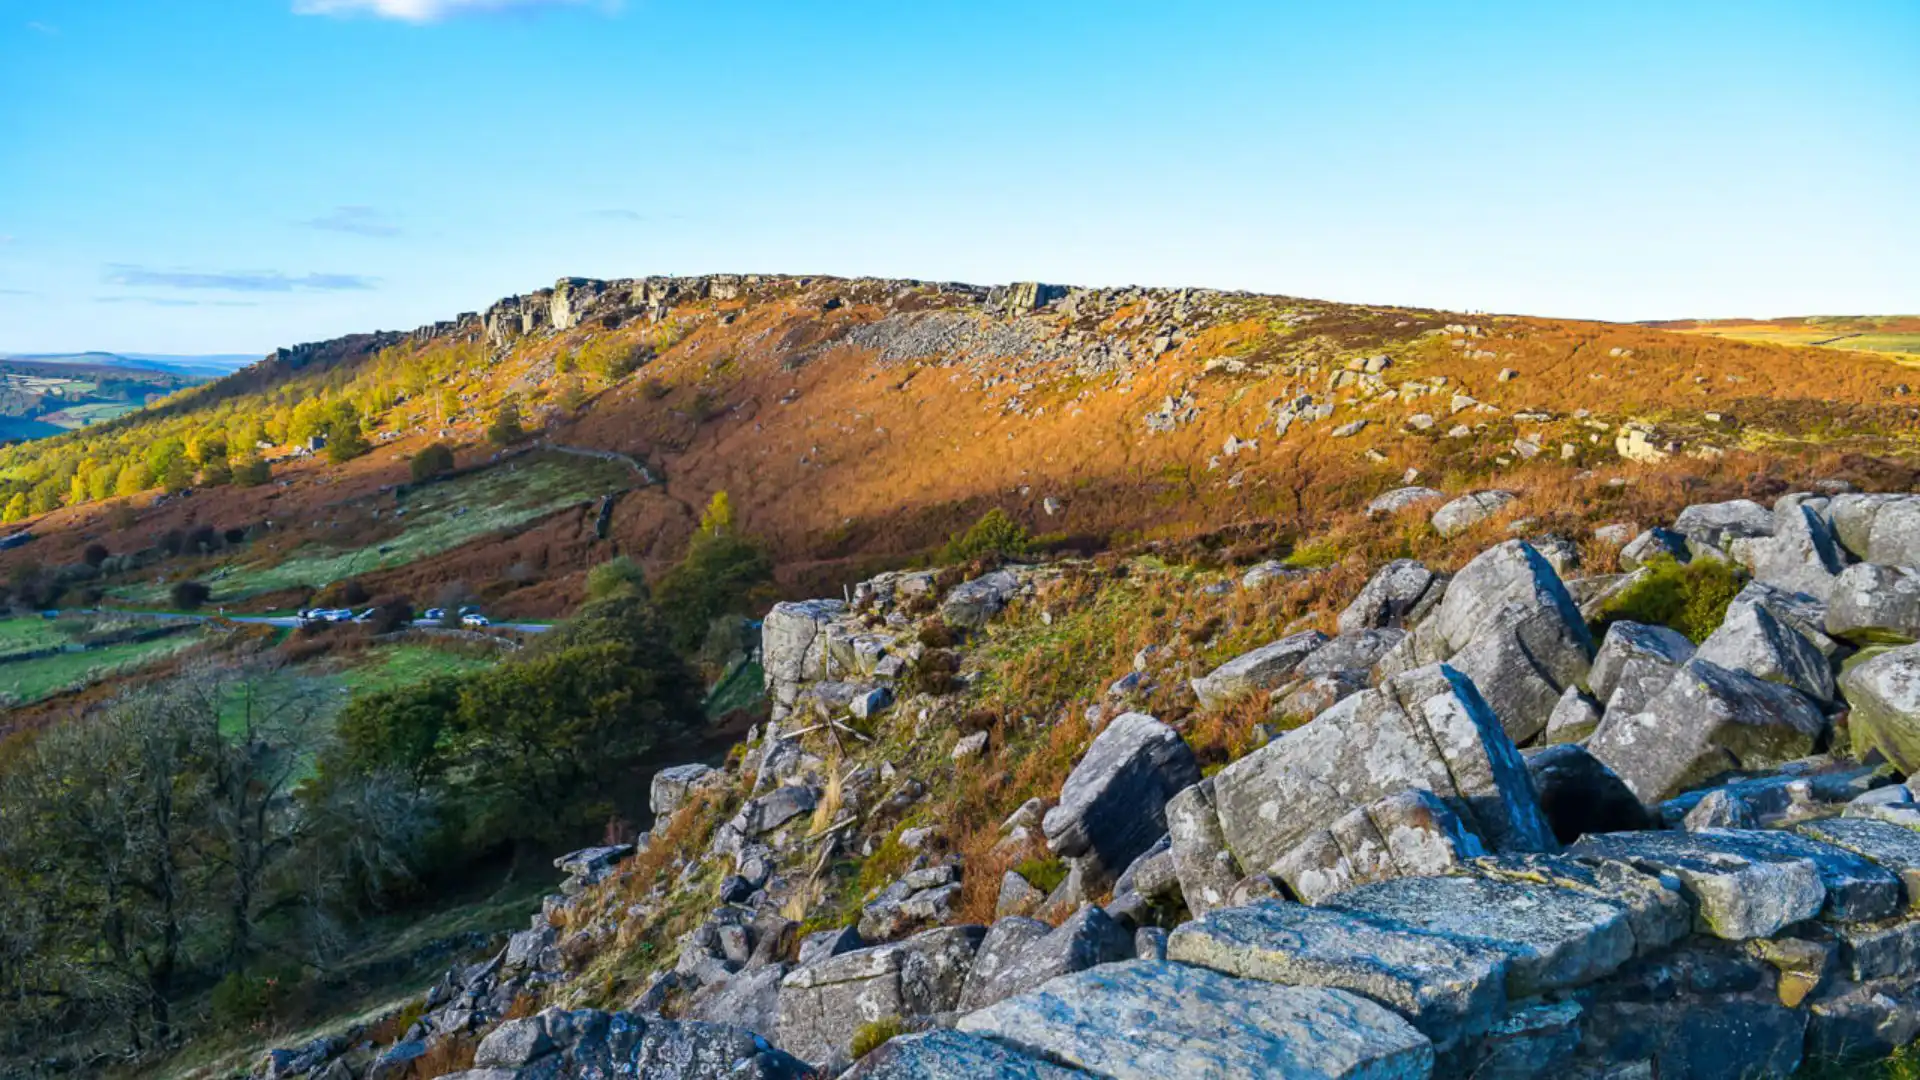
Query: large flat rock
point(1657, 911)
point(1737, 893)
point(1154, 1020)
point(1891, 847)
point(1552, 938)
point(944, 1054)
point(1449, 989)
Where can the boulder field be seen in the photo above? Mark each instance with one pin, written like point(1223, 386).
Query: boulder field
point(1513, 841)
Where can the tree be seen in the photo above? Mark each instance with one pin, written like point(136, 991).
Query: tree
point(345, 441)
point(189, 595)
point(16, 510)
point(94, 554)
point(400, 728)
point(719, 575)
point(431, 462)
point(177, 476)
point(618, 576)
point(252, 471)
point(505, 429)
point(134, 478)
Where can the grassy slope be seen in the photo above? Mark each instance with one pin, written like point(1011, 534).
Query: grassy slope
point(29, 681)
point(844, 459)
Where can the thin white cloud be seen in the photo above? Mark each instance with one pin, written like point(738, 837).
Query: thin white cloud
point(358, 220)
point(426, 11)
point(44, 28)
point(5, 239)
point(247, 281)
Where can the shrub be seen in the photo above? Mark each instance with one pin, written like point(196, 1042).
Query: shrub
point(995, 535)
point(345, 442)
point(252, 472)
point(1043, 874)
point(934, 673)
point(936, 634)
point(505, 427)
point(871, 1035)
point(435, 461)
point(721, 575)
point(95, 554)
point(1691, 597)
point(618, 576)
point(188, 595)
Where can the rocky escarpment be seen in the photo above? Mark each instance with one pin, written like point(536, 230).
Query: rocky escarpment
point(1502, 846)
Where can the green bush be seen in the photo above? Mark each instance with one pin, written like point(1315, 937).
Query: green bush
point(872, 1034)
point(505, 427)
point(994, 535)
point(618, 576)
point(243, 1000)
point(434, 461)
point(188, 595)
point(723, 573)
point(1691, 598)
point(1043, 874)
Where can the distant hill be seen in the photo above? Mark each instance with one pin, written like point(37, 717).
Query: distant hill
point(1860, 333)
point(207, 366)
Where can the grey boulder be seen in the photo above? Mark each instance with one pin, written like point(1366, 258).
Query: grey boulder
point(1753, 641)
point(1264, 668)
point(1875, 604)
point(1426, 729)
point(1707, 722)
point(1449, 989)
point(1469, 510)
point(1635, 663)
point(1019, 960)
point(1397, 594)
point(1150, 1020)
point(1113, 805)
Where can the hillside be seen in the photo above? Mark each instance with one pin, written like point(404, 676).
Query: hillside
point(930, 674)
point(857, 423)
point(41, 396)
point(1897, 334)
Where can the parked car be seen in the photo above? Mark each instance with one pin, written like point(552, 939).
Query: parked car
point(434, 614)
point(475, 619)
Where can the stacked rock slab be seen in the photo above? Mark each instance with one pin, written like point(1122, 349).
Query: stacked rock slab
point(1424, 730)
point(1708, 721)
point(1507, 623)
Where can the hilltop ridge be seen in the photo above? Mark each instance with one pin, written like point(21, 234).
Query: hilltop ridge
point(858, 422)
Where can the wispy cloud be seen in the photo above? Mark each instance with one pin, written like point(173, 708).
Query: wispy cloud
point(618, 215)
point(15, 292)
point(168, 301)
point(258, 281)
point(358, 220)
point(44, 28)
point(5, 239)
point(426, 11)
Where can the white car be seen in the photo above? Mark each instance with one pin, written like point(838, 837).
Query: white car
point(475, 619)
point(435, 614)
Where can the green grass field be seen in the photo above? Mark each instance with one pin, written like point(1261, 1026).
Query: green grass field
point(440, 517)
point(29, 634)
point(403, 664)
point(32, 680)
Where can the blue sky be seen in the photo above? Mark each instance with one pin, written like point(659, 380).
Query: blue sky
point(233, 175)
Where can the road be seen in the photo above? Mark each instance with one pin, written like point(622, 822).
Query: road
point(294, 621)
